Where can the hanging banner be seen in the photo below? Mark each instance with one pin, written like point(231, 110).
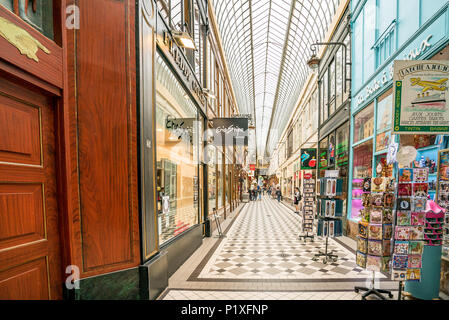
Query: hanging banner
point(308, 159)
point(230, 131)
point(419, 100)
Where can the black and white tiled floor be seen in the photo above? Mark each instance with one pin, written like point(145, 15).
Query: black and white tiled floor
point(262, 256)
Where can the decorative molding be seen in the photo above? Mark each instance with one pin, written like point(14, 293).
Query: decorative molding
point(21, 39)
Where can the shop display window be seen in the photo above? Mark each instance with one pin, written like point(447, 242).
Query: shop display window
point(364, 123)
point(362, 164)
point(342, 146)
point(220, 186)
point(323, 161)
point(177, 153)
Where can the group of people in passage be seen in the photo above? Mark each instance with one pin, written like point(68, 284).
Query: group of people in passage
point(255, 193)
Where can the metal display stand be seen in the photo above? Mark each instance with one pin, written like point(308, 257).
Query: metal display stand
point(309, 191)
point(217, 222)
point(372, 290)
point(328, 256)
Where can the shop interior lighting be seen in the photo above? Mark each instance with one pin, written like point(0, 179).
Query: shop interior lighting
point(183, 39)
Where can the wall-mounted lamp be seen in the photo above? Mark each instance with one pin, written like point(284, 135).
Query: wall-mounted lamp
point(314, 62)
point(183, 39)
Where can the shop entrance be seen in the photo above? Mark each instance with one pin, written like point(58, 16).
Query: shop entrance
point(30, 266)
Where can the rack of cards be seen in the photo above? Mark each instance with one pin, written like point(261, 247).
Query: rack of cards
point(330, 212)
point(410, 224)
point(375, 229)
point(442, 197)
point(308, 212)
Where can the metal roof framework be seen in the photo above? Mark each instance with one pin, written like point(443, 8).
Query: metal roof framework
point(267, 44)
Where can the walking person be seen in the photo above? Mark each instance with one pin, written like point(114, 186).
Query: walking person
point(297, 199)
point(278, 194)
point(259, 192)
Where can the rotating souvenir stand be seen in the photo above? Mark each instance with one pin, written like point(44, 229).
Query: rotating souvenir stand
point(330, 212)
point(375, 230)
point(410, 225)
point(308, 212)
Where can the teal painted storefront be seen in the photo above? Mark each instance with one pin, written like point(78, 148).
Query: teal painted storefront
point(384, 31)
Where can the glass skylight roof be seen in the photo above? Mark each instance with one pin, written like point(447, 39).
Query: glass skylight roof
point(267, 44)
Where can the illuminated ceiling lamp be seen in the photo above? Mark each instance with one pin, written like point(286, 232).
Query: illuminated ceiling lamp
point(183, 39)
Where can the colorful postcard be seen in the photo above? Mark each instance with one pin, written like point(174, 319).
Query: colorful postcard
point(414, 261)
point(387, 215)
point(378, 184)
point(404, 204)
point(403, 218)
point(402, 233)
point(401, 247)
point(406, 175)
point(399, 275)
point(400, 261)
point(419, 204)
point(390, 185)
point(404, 189)
point(388, 200)
point(387, 231)
point(375, 247)
point(420, 174)
point(362, 245)
point(366, 185)
point(361, 259)
point(416, 233)
point(375, 216)
point(377, 199)
point(386, 248)
point(375, 231)
point(386, 263)
point(373, 263)
point(416, 247)
point(363, 229)
point(366, 199)
point(418, 219)
point(413, 274)
point(420, 189)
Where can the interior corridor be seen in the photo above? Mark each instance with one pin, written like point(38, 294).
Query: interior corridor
point(262, 257)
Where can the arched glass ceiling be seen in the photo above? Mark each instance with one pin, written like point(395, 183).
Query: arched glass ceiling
point(267, 44)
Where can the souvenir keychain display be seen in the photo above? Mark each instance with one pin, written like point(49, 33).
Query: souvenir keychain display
point(376, 229)
point(308, 217)
point(411, 224)
point(330, 212)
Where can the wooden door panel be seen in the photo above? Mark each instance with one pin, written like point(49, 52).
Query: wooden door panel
point(19, 132)
point(28, 281)
point(30, 266)
point(23, 218)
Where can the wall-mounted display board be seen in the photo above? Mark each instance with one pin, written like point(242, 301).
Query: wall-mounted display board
point(420, 97)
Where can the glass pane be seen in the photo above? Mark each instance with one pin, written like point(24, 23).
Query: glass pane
point(325, 96)
point(39, 15)
point(220, 179)
point(7, 4)
point(364, 123)
point(384, 108)
point(339, 77)
point(331, 88)
point(177, 155)
point(363, 155)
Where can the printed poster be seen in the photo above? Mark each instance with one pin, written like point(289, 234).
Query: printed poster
point(420, 103)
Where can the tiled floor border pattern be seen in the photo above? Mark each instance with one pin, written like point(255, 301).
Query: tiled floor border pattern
point(194, 276)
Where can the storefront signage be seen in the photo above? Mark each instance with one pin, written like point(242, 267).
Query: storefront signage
point(245, 115)
point(183, 65)
point(180, 128)
point(420, 102)
point(230, 131)
point(252, 167)
point(308, 159)
point(387, 76)
point(307, 176)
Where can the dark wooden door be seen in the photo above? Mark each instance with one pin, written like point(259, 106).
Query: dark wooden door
point(30, 266)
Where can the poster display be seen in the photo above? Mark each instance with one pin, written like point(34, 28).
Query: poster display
point(308, 218)
point(420, 103)
point(308, 159)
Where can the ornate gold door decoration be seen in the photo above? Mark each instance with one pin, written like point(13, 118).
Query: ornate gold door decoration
point(21, 39)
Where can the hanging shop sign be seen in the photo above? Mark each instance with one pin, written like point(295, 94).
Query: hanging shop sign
point(420, 104)
point(307, 176)
point(230, 131)
point(252, 167)
point(308, 159)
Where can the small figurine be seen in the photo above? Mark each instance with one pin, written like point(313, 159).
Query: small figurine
point(422, 162)
point(432, 166)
